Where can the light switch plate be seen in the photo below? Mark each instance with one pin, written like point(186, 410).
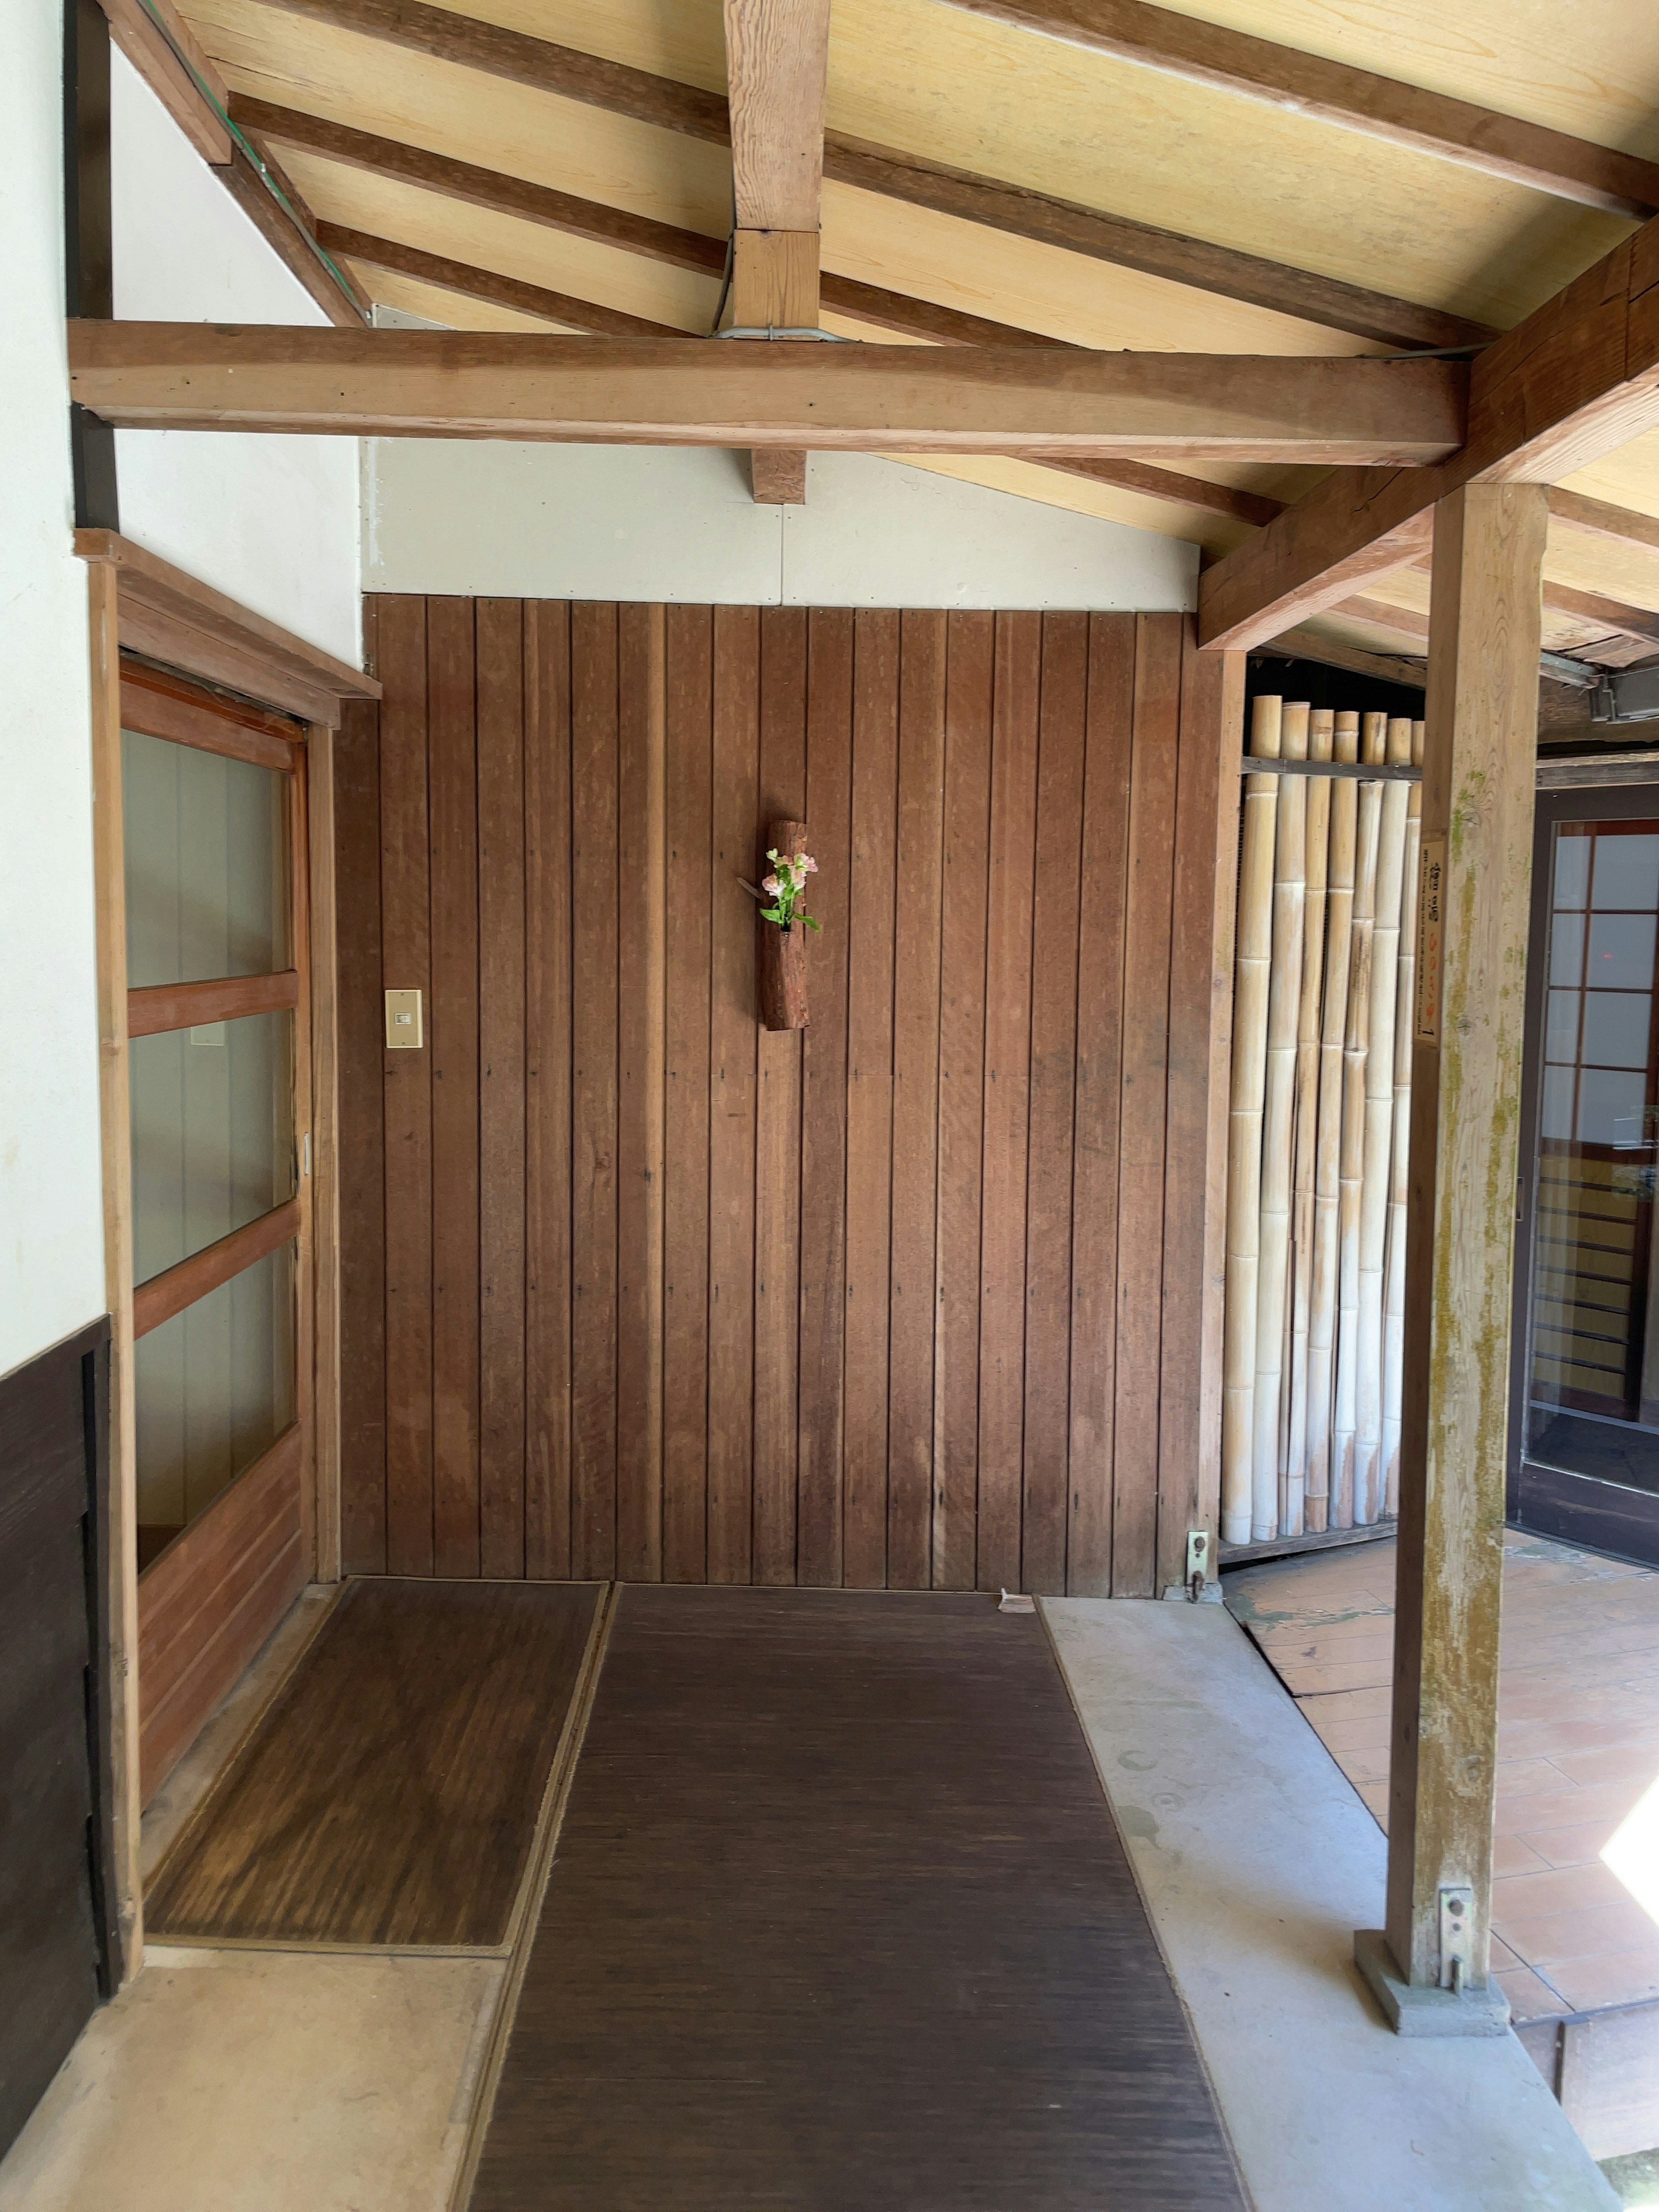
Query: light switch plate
point(403, 1022)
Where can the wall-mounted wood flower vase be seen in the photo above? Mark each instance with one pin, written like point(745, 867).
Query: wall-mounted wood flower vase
point(783, 946)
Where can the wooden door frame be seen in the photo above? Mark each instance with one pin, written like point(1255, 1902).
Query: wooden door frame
point(140, 603)
point(1627, 1522)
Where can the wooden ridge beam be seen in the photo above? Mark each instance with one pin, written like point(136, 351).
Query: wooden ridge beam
point(371, 252)
point(1579, 378)
point(1357, 100)
point(443, 35)
point(864, 398)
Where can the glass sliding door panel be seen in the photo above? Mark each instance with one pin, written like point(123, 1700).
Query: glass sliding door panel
point(1594, 1378)
point(212, 1115)
point(215, 1388)
point(207, 861)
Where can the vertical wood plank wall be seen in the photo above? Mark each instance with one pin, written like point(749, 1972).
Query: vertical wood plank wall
point(923, 1296)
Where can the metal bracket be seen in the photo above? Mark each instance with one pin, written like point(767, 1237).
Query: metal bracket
point(1456, 1935)
point(1198, 1563)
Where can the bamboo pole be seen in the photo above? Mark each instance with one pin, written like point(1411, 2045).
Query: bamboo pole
point(1355, 1043)
point(1322, 1312)
point(1393, 1301)
point(1322, 730)
point(1279, 1096)
point(1378, 1135)
point(1252, 965)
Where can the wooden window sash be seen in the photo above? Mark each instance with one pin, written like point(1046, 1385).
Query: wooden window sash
point(170, 1293)
point(162, 1006)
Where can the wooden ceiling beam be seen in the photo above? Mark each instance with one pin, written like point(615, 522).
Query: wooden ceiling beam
point(443, 35)
point(1357, 100)
point(1579, 378)
point(777, 67)
point(1062, 402)
point(475, 283)
point(689, 249)
point(1596, 518)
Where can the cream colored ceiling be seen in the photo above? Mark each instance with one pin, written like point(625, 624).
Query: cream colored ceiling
point(959, 89)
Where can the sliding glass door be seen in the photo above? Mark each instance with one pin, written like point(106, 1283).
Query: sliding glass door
point(218, 1084)
point(1584, 1446)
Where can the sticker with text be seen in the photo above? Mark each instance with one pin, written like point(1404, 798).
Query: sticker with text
point(1431, 937)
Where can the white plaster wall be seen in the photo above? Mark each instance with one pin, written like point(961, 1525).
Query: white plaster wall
point(51, 1263)
point(678, 524)
point(271, 521)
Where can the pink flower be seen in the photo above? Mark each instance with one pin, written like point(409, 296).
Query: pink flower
point(770, 885)
point(808, 863)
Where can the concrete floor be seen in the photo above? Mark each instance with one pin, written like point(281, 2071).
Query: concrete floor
point(1257, 1861)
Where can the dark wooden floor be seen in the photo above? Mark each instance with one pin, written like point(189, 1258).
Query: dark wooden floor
point(391, 1794)
point(840, 1923)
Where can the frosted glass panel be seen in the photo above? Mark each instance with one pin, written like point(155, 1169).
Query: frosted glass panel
point(206, 864)
point(215, 1390)
point(212, 1113)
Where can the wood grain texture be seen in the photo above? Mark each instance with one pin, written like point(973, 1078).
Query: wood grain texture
point(642, 962)
point(735, 2003)
point(361, 1140)
point(732, 1068)
point(452, 1038)
point(1049, 1196)
point(873, 883)
point(1143, 1133)
point(563, 309)
point(501, 1087)
point(1008, 966)
point(822, 1387)
point(547, 1089)
point(782, 797)
point(1068, 401)
point(832, 1306)
point(1097, 1113)
point(595, 895)
point(1478, 797)
point(777, 57)
point(390, 1794)
point(913, 1257)
point(688, 861)
point(405, 941)
point(1332, 91)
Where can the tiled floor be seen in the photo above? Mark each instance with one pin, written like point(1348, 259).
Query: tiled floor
point(1578, 1743)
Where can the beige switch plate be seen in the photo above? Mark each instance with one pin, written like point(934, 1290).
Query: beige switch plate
point(403, 1021)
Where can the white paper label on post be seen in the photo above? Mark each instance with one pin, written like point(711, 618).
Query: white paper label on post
point(1431, 937)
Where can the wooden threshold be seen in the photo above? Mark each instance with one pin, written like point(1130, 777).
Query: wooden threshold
point(170, 1293)
point(161, 1007)
point(1284, 1547)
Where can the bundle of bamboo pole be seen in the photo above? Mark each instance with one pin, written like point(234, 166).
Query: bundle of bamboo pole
point(1253, 965)
point(1319, 1121)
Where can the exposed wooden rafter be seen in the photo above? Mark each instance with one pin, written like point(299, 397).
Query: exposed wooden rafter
point(777, 60)
point(1596, 518)
point(443, 35)
point(557, 307)
point(1579, 378)
point(844, 296)
point(1030, 401)
point(1203, 53)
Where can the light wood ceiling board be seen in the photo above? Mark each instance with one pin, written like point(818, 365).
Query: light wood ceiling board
point(454, 311)
point(980, 96)
point(1031, 402)
point(463, 232)
point(371, 85)
point(1028, 480)
point(1041, 288)
point(1617, 568)
point(1374, 104)
point(1593, 71)
point(1628, 477)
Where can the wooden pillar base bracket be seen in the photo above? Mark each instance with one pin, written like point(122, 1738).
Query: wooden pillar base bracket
point(1416, 2011)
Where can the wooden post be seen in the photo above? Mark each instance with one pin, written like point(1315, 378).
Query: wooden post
point(1430, 1972)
